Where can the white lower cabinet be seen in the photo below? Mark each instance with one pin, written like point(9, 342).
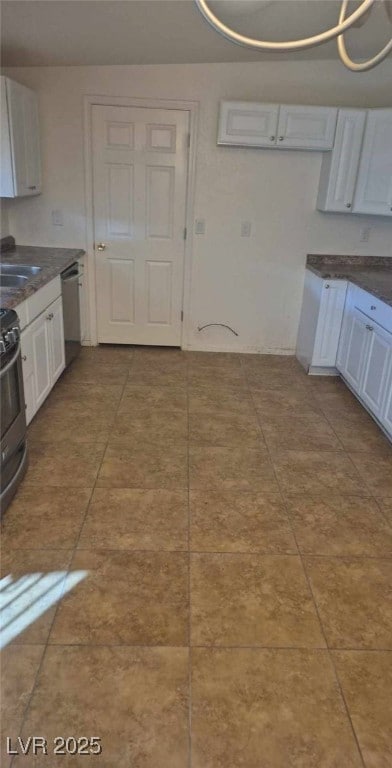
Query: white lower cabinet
point(365, 358)
point(376, 368)
point(320, 323)
point(43, 356)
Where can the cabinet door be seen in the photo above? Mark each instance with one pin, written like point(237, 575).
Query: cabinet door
point(386, 410)
point(306, 127)
point(6, 175)
point(56, 338)
point(329, 323)
point(247, 123)
point(340, 167)
point(354, 346)
point(376, 366)
point(28, 373)
point(373, 192)
point(24, 134)
point(41, 359)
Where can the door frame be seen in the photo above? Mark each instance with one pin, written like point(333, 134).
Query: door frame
point(192, 107)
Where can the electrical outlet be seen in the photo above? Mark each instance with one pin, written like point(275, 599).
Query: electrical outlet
point(246, 228)
point(364, 234)
point(200, 227)
point(57, 218)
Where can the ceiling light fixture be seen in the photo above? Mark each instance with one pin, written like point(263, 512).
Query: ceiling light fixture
point(343, 25)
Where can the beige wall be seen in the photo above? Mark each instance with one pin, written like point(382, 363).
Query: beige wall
point(253, 284)
point(4, 219)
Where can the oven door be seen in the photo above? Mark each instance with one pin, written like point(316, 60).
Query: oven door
point(13, 418)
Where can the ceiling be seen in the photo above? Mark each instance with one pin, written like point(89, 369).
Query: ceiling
point(91, 32)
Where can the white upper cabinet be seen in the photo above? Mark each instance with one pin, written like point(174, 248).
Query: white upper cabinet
point(339, 168)
point(373, 192)
point(247, 123)
point(306, 127)
point(20, 143)
point(251, 124)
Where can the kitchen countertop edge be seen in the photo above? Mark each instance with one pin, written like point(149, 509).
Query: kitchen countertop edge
point(359, 270)
point(52, 261)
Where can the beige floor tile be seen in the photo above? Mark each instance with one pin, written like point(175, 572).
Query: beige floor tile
point(208, 375)
point(205, 400)
point(217, 359)
point(134, 699)
point(289, 433)
point(125, 518)
point(353, 596)
point(107, 354)
point(102, 395)
point(160, 354)
point(139, 399)
point(64, 464)
point(358, 432)
point(154, 426)
point(281, 402)
point(376, 471)
point(275, 379)
point(32, 585)
point(157, 376)
point(19, 666)
point(252, 600)
point(316, 471)
point(92, 372)
point(44, 518)
point(225, 428)
point(270, 363)
point(331, 524)
point(144, 466)
point(56, 424)
point(134, 598)
point(269, 709)
point(366, 680)
point(244, 469)
point(386, 508)
point(232, 521)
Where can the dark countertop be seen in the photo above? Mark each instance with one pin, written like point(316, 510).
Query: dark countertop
point(52, 260)
point(372, 273)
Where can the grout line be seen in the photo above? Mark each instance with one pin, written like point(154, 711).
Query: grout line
point(309, 648)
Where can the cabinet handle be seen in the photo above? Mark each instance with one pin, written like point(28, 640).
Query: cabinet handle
point(50, 316)
point(272, 138)
point(280, 138)
point(327, 286)
point(101, 246)
point(24, 358)
point(373, 307)
point(369, 328)
point(32, 187)
point(348, 205)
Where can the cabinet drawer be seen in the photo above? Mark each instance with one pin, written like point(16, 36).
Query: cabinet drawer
point(372, 307)
point(38, 302)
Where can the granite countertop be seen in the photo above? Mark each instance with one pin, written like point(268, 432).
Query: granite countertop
point(372, 273)
point(51, 260)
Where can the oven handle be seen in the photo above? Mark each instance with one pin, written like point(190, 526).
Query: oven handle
point(11, 362)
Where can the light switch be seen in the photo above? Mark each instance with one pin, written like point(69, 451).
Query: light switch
point(246, 228)
point(200, 227)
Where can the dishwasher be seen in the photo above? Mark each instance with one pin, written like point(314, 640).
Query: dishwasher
point(70, 281)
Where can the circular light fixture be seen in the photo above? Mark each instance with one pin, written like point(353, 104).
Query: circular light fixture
point(343, 25)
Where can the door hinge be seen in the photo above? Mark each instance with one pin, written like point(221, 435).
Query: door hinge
point(182, 315)
point(189, 140)
point(185, 233)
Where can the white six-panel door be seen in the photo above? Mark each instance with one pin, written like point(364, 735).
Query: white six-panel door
point(139, 189)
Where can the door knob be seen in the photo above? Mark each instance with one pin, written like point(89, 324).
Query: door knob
point(101, 246)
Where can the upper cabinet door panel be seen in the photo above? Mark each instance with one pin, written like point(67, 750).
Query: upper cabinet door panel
point(374, 184)
point(340, 167)
point(246, 123)
point(306, 127)
point(24, 145)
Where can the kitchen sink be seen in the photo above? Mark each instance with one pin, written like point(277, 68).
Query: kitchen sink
point(19, 269)
point(12, 281)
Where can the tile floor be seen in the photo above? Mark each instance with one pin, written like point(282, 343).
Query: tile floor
point(205, 544)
